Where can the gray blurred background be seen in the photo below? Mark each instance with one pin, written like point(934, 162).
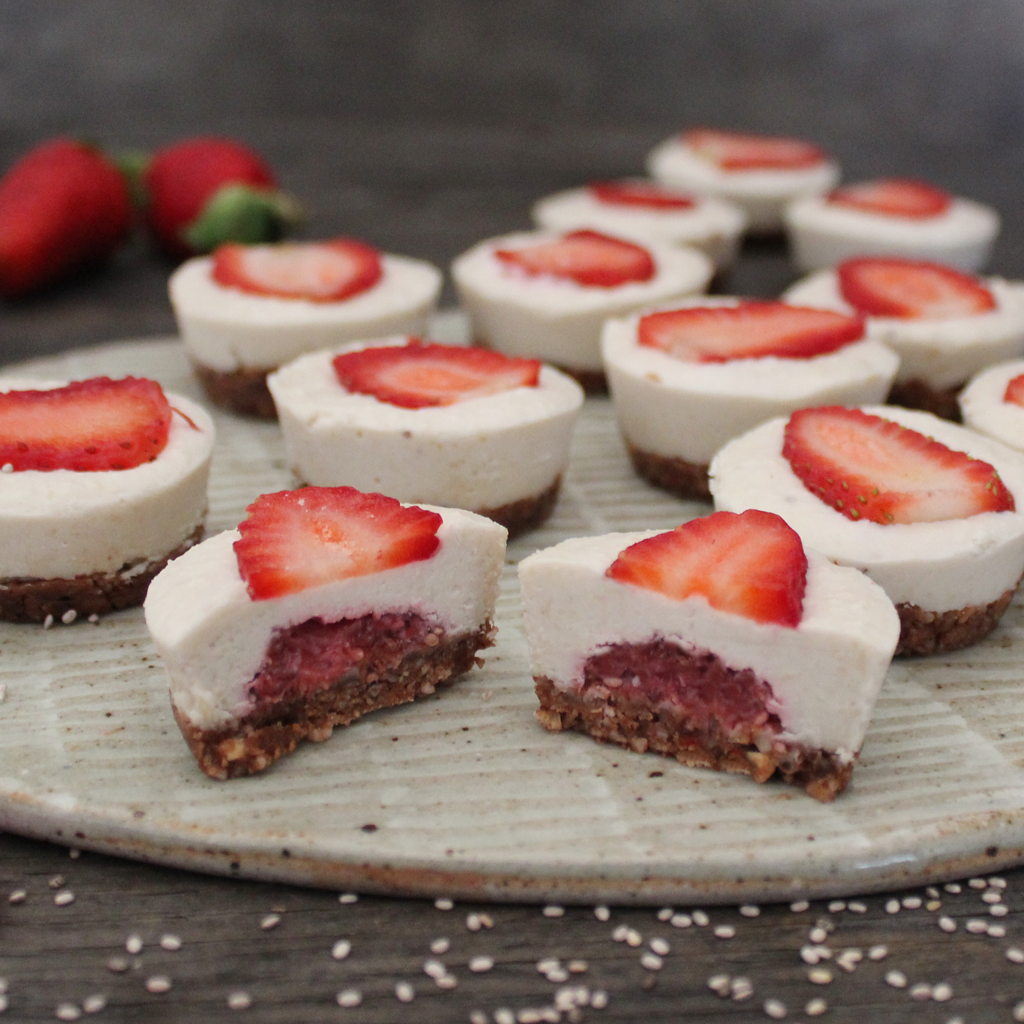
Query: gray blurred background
point(425, 125)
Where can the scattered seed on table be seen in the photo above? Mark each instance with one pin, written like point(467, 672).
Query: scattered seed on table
point(56, 882)
point(341, 949)
point(700, 919)
point(921, 991)
point(992, 897)
point(942, 992)
point(348, 897)
point(478, 1017)
point(579, 966)
point(404, 992)
point(443, 904)
point(479, 964)
point(548, 964)
point(815, 1007)
point(117, 964)
point(996, 931)
point(503, 1015)
point(878, 952)
point(724, 931)
point(17, 896)
point(819, 976)
point(897, 979)
point(651, 962)
point(3, 1002)
point(602, 913)
point(999, 910)
point(810, 955)
point(434, 969)
point(912, 902)
point(997, 883)
point(1015, 955)
point(800, 906)
point(170, 942)
point(557, 975)
point(68, 1011)
point(892, 906)
point(94, 1003)
point(976, 926)
point(446, 981)
point(749, 910)
point(64, 897)
point(349, 997)
point(665, 914)
point(818, 936)
point(681, 921)
point(158, 983)
point(661, 947)
point(599, 999)
point(1018, 1012)
point(857, 907)
point(48, 624)
point(133, 944)
point(239, 1001)
point(933, 905)
point(552, 910)
point(775, 1009)
point(69, 616)
point(440, 946)
point(836, 906)
point(954, 887)
point(633, 938)
point(719, 983)
point(741, 989)
point(947, 924)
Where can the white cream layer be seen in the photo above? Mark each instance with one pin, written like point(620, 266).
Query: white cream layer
point(212, 637)
point(825, 674)
point(762, 194)
point(714, 226)
point(478, 454)
point(684, 410)
point(227, 329)
point(942, 353)
point(985, 410)
point(554, 319)
point(823, 234)
point(936, 566)
point(61, 523)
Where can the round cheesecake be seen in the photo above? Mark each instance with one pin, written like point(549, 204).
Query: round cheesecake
point(986, 408)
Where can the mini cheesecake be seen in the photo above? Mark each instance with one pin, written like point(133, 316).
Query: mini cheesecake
point(993, 403)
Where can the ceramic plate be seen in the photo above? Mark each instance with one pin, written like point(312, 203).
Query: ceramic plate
point(465, 795)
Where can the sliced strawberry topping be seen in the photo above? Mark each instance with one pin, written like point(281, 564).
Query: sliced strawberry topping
point(293, 540)
point(316, 271)
point(644, 194)
point(586, 257)
point(737, 151)
point(749, 330)
point(911, 289)
point(416, 375)
point(86, 426)
point(867, 467)
point(893, 197)
point(1015, 391)
point(750, 564)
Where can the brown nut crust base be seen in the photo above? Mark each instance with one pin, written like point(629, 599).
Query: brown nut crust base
point(243, 391)
point(526, 514)
point(925, 632)
point(276, 728)
point(32, 600)
point(677, 476)
point(638, 726)
point(916, 394)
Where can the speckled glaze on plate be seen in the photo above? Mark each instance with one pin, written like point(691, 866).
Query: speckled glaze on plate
point(465, 795)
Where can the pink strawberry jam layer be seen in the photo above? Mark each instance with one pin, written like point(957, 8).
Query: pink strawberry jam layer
point(722, 705)
point(311, 656)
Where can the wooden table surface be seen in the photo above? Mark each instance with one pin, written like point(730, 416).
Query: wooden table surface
point(84, 935)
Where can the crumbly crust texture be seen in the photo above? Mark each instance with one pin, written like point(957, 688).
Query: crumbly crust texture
point(34, 600)
point(925, 632)
point(275, 728)
point(677, 476)
point(623, 715)
point(243, 391)
point(918, 394)
point(518, 517)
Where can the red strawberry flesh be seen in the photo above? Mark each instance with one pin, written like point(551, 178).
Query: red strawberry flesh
point(739, 151)
point(418, 375)
point(639, 194)
point(294, 540)
point(870, 468)
point(587, 257)
point(1015, 391)
point(750, 564)
point(88, 426)
point(748, 330)
point(893, 197)
point(314, 271)
point(911, 289)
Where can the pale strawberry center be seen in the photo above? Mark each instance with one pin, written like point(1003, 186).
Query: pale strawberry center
point(735, 151)
point(893, 197)
point(299, 269)
point(587, 257)
point(1015, 391)
point(639, 194)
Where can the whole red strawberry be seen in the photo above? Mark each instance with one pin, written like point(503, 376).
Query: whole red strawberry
point(64, 206)
point(206, 191)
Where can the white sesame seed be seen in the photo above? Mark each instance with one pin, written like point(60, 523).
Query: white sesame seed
point(479, 964)
point(349, 997)
point(446, 981)
point(947, 924)
point(270, 921)
point(557, 975)
point(809, 954)
point(473, 922)
point(1018, 1012)
point(170, 942)
point(878, 952)
point(63, 898)
point(553, 911)
point(661, 947)
point(836, 906)
point(847, 963)
point(443, 904)
point(68, 1011)
point(741, 989)
point(992, 897)
point(954, 887)
point(665, 914)
point(1015, 955)
point(404, 992)
point(724, 931)
point(486, 920)
point(94, 618)
point(933, 905)
point(602, 913)
point(504, 1016)
point(478, 1017)
point(133, 944)
point(580, 966)
point(977, 883)
point(117, 964)
point(348, 897)
point(856, 907)
point(681, 921)
point(800, 906)
point(47, 624)
point(912, 902)
point(529, 1015)
point(818, 935)
point(997, 883)
point(892, 906)
point(700, 919)
point(633, 938)
point(819, 976)
point(56, 882)
point(815, 1007)
point(341, 949)
point(750, 910)
point(548, 964)
point(897, 979)
point(921, 992)
point(434, 969)
point(565, 999)
point(69, 616)
point(976, 926)
point(619, 932)
point(17, 896)
point(599, 999)
point(73, 852)
point(775, 1009)
point(239, 1000)
point(996, 931)
point(999, 910)
point(719, 983)
point(651, 962)
point(942, 992)
point(94, 1003)
point(158, 983)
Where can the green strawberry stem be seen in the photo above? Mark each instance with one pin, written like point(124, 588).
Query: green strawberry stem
point(132, 163)
point(241, 213)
